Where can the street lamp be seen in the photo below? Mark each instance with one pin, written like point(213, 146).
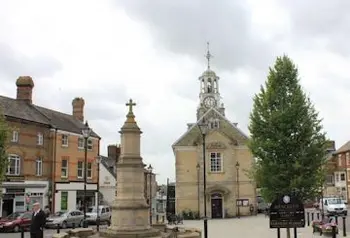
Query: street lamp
point(150, 168)
point(86, 133)
point(203, 127)
point(198, 188)
point(238, 202)
point(98, 160)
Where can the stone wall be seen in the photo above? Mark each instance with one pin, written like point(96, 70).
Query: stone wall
point(78, 232)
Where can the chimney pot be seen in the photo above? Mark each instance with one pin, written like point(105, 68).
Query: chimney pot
point(25, 87)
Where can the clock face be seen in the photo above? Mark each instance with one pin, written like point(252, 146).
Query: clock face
point(209, 102)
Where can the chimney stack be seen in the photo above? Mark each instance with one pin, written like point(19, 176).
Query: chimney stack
point(25, 87)
point(78, 108)
point(113, 151)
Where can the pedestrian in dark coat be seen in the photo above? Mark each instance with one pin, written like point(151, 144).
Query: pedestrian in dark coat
point(38, 222)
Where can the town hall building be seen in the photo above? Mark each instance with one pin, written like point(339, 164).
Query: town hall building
point(229, 189)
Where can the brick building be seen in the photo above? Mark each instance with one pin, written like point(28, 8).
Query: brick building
point(338, 177)
point(46, 154)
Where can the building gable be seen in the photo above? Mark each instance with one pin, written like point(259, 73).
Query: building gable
point(192, 136)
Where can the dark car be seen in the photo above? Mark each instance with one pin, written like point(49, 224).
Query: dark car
point(15, 221)
point(325, 226)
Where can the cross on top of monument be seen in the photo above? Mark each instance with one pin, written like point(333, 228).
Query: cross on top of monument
point(130, 104)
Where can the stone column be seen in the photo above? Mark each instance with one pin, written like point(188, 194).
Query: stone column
point(130, 212)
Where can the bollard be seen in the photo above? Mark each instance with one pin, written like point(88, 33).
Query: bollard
point(22, 232)
point(58, 228)
point(295, 233)
point(98, 223)
point(278, 233)
point(308, 218)
point(73, 225)
point(312, 216)
point(344, 226)
point(318, 216)
point(336, 219)
point(334, 231)
point(157, 218)
point(163, 219)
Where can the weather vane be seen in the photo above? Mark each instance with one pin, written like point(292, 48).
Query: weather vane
point(208, 55)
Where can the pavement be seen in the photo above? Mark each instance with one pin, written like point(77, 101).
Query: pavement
point(47, 233)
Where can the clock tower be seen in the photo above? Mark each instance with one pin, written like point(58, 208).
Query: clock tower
point(209, 95)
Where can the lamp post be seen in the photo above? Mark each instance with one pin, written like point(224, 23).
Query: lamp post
point(238, 204)
point(86, 133)
point(198, 189)
point(98, 160)
point(203, 127)
point(150, 168)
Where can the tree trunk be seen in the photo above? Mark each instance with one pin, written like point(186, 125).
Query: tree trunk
point(288, 232)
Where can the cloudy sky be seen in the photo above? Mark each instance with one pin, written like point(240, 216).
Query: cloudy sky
point(153, 52)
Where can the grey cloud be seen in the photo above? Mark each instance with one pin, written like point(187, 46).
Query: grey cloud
point(184, 27)
point(13, 64)
point(320, 19)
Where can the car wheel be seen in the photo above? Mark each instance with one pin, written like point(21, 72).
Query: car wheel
point(64, 225)
point(16, 229)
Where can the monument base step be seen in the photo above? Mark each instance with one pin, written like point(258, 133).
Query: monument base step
point(150, 233)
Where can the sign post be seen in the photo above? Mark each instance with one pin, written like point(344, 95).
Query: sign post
point(287, 212)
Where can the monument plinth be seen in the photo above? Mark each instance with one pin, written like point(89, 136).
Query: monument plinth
point(130, 211)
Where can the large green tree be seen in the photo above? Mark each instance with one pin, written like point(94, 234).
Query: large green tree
point(287, 137)
point(3, 145)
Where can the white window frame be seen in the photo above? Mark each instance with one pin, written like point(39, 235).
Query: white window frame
point(211, 161)
point(90, 144)
point(39, 167)
point(81, 143)
point(15, 136)
point(17, 168)
point(337, 177)
point(89, 170)
point(66, 169)
point(80, 169)
point(40, 139)
point(64, 140)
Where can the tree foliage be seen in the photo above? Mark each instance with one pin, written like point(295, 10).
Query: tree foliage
point(287, 137)
point(3, 146)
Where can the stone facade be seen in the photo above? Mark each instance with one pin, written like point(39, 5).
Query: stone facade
point(225, 148)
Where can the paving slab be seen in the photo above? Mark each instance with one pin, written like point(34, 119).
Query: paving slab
point(246, 227)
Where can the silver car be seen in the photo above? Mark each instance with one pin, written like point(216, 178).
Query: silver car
point(64, 219)
point(105, 214)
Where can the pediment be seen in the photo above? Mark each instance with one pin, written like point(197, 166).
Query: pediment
point(192, 136)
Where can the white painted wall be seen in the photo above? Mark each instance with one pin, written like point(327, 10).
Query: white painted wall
point(107, 185)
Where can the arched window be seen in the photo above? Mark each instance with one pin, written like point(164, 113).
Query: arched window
point(14, 165)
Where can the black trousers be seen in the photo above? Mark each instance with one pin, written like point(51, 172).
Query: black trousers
point(38, 234)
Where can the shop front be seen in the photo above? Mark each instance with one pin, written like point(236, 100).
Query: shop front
point(70, 196)
point(19, 196)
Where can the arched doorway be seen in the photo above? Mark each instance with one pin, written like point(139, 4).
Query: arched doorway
point(216, 205)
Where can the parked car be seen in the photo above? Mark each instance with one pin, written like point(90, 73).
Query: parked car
point(324, 226)
point(105, 213)
point(333, 206)
point(15, 221)
point(65, 219)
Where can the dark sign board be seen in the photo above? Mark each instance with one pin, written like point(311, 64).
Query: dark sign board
point(287, 212)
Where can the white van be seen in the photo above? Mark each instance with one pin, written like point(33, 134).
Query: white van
point(333, 206)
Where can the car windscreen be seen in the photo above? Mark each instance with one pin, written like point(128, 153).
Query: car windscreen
point(335, 201)
point(92, 209)
point(60, 213)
